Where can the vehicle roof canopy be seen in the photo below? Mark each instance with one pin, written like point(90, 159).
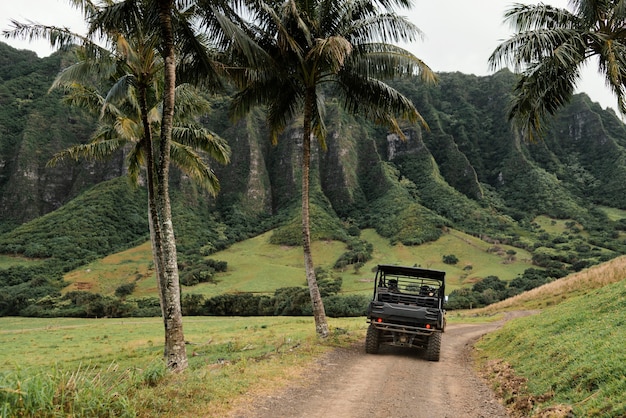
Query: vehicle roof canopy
point(412, 271)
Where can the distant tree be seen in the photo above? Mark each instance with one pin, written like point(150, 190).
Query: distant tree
point(551, 46)
point(450, 259)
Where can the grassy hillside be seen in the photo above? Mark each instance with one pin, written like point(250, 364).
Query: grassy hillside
point(569, 358)
point(255, 265)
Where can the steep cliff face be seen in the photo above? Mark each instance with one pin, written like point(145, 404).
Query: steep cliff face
point(467, 169)
point(34, 126)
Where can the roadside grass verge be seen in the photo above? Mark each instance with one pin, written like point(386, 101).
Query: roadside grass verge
point(569, 358)
point(558, 291)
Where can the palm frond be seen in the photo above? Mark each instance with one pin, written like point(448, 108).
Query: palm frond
point(84, 72)
point(612, 63)
point(377, 100)
point(386, 61)
point(541, 91)
point(94, 151)
point(136, 159)
point(333, 51)
point(189, 103)
point(122, 91)
point(59, 38)
point(386, 28)
point(192, 164)
point(317, 123)
point(197, 137)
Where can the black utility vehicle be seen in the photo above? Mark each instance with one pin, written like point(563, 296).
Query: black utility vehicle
point(407, 309)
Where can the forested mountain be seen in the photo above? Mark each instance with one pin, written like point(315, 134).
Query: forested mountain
point(470, 171)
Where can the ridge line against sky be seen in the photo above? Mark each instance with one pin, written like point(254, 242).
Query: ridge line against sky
point(460, 35)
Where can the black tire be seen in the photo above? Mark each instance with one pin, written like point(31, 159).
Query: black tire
point(372, 340)
point(433, 346)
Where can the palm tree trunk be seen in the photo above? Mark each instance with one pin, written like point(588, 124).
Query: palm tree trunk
point(153, 217)
point(175, 354)
point(321, 325)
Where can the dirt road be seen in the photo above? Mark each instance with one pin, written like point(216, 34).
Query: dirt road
point(397, 383)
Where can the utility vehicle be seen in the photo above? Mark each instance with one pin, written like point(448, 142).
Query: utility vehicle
point(407, 310)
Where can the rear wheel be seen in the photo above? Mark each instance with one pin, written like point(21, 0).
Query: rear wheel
point(434, 346)
point(372, 340)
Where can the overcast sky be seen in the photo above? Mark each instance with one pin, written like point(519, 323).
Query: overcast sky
point(459, 34)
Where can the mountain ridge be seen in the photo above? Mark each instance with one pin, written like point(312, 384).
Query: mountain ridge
point(469, 171)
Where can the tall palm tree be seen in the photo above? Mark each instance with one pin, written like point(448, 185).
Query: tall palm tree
point(551, 45)
point(143, 75)
point(299, 45)
point(172, 310)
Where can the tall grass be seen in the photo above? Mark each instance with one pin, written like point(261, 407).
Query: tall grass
point(85, 392)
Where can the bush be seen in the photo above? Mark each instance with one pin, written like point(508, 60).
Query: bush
point(126, 289)
point(359, 251)
point(346, 306)
point(450, 259)
point(193, 272)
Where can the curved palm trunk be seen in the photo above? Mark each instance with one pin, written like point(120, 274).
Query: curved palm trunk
point(321, 325)
point(175, 354)
point(153, 216)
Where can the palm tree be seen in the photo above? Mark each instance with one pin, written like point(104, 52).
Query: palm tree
point(142, 78)
point(551, 45)
point(299, 45)
point(172, 311)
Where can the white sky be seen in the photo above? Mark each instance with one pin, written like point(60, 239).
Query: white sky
point(460, 34)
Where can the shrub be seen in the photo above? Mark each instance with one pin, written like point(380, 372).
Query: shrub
point(450, 259)
point(359, 251)
point(125, 289)
point(346, 306)
point(193, 272)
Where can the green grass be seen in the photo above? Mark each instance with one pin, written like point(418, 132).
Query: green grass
point(257, 266)
point(7, 261)
point(470, 251)
point(572, 354)
point(614, 214)
point(119, 361)
point(107, 274)
point(31, 342)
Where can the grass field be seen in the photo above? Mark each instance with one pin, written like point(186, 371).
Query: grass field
point(104, 366)
point(7, 261)
point(568, 358)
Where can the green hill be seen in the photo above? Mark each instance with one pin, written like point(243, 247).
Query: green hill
point(521, 213)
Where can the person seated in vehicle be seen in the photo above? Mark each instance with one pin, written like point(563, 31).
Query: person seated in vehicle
point(427, 291)
point(393, 286)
